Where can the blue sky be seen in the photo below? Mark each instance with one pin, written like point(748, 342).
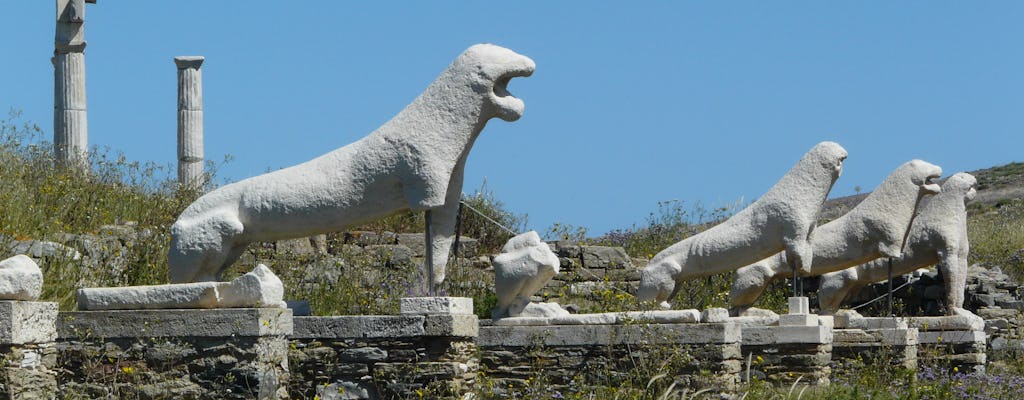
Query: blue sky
point(705, 102)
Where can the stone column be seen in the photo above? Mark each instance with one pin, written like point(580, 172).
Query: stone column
point(190, 121)
point(70, 128)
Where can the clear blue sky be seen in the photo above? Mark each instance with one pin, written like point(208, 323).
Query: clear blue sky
point(630, 105)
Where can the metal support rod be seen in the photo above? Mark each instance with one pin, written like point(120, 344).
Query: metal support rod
point(458, 233)
point(890, 287)
point(429, 255)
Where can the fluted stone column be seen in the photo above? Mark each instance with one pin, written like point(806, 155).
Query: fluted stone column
point(190, 121)
point(70, 127)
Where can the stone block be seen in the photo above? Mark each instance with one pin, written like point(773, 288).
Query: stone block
point(451, 325)
point(878, 323)
point(599, 335)
point(23, 322)
point(249, 322)
point(606, 257)
point(360, 326)
point(436, 305)
point(414, 241)
point(948, 323)
point(799, 305)
point(950, 337)
point(767, 335)
point(714, 315)
point(798, 320)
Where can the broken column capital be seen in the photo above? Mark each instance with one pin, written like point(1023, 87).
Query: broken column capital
point(186, 62)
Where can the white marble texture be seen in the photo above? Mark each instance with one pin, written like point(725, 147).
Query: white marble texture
point(874, 228)
point(415, 161)
point(781, 220)
point(938, 236)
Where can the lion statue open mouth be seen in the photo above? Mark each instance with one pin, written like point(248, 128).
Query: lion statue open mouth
point(415, 161)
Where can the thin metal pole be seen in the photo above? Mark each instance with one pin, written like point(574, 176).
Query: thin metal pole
point(890, 288)
point(429, 255)
point(458, 234)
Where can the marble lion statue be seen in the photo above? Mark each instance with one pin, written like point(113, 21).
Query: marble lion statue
point(877, 227)
point(938, 235)
point(780, 220)
point(415, 161)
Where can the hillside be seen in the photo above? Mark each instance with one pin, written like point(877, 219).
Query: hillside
point(996, 186)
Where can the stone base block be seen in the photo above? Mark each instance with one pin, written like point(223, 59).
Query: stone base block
point(872, 346)
point(219, 353)
point(783, 354)
point(964, 350)
point(27, 334)
point(393, 356)
point(693, 355)
point(23, 322)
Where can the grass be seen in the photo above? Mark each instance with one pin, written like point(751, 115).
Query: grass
point(44, 202)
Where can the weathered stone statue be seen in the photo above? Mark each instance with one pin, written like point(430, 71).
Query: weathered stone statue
point(523, 267)
point(415, 161)
point(877, 227)
point(938, 235)
point(780, 220)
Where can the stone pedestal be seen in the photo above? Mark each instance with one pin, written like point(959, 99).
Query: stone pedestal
point(951, 342)
point(427, 352)
point(799, 347)
point(874, 340)
point(27, 343)
point(560, 357)
point(236, 353)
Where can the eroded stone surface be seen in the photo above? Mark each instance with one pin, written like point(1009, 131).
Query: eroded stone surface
point(258, 288)
point(415, 161)
point(875, 228)
point(780, 220)
point(20, 279)
point(524, 266)
point(938, 236)
point(436, 305)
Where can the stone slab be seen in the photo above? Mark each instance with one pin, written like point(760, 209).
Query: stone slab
point(948, 323)
point(165, 323)
point(895, 337)
point(358, 326)
point(586, 319)
point(874, 323)
point(24, 322)
point(436, 305)
point(798, 320)
point(584, 335)
point(947, 337)
point(661, 316)
point(259, 288)
point(765, 335)
point(522, 321)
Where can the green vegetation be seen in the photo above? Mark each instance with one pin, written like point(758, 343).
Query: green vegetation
point(996, 234)
point(43, 202)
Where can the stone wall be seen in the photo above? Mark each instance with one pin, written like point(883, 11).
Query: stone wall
point(569, 357)
point(174, 354)
point(375, 357)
